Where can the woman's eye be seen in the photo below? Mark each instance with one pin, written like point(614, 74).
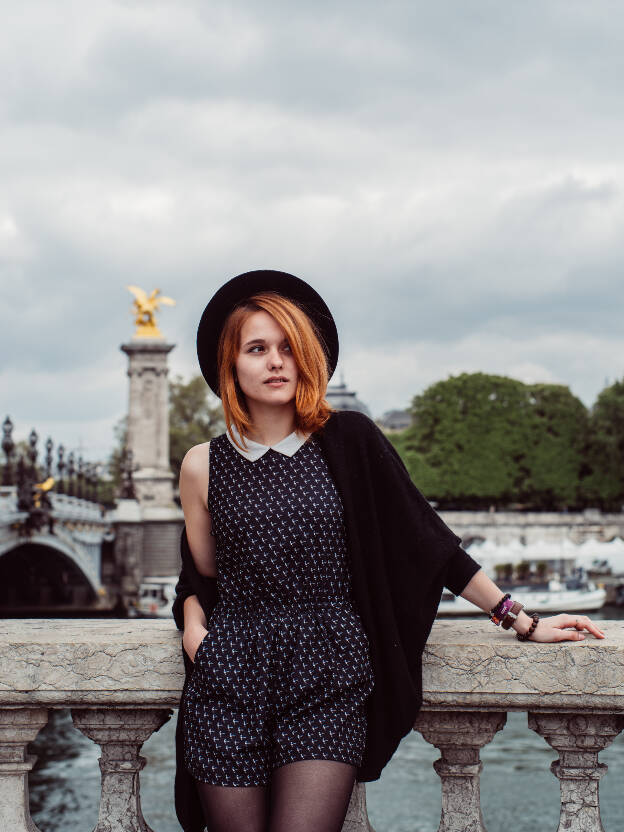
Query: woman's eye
point(260, 347)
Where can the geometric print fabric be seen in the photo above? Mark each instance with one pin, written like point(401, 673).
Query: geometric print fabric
point(284, 670)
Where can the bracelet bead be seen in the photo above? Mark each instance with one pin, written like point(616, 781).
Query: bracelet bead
point(502, 600)
point(512, 615)
point(530, 631)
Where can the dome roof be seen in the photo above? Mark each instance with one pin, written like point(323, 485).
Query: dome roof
point(341, 398)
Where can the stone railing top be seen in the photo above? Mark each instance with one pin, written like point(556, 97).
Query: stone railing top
point(474, 664)
point(467, 664)
point(532, 518)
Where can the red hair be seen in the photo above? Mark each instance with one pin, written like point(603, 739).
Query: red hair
point(311, 408)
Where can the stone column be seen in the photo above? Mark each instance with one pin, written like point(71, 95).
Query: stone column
point(18, 727)
point(460, 735)
point(120, 732)
point(578, 739)
point(148, 419)
point(129, 550)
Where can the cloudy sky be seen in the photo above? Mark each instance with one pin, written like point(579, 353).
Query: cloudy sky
point(448, 175)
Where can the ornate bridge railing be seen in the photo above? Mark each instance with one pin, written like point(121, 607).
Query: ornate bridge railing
point(20, 467)
point(120, 678)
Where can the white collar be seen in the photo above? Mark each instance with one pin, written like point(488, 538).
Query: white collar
point(289, 445)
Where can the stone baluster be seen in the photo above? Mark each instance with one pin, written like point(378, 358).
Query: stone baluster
point(459, 736)
point(578, 738)
point(356, 819)
point(120, 732)
point(18, 727)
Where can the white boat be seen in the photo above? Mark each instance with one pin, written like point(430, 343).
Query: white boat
point(573, 595)
point(156, 596)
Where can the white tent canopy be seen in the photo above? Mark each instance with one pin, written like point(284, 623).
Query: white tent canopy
point(489, 554)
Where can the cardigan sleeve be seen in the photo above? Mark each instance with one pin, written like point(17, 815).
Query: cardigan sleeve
point(461, 568)
point(190, 582)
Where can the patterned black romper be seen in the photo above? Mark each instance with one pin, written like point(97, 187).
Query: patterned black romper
point(284, 670)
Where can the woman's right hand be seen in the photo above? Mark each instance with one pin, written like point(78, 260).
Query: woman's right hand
point(192, 638)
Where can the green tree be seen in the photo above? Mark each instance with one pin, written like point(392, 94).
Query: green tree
point(504, 572)
point(480, 439)
point(115, 460)
point(555, 457)
point(603, 483)
point(541, 568)
point(467, 440)
point(195, 416)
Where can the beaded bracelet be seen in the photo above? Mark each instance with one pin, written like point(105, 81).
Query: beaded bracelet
point(495, 612)
point(498, 613)
point(503, 615)
point(530, 631)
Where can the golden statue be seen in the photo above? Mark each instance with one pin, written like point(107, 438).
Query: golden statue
point(42, 488)
point(144, 309)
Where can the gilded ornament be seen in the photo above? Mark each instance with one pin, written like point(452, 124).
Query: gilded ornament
point(144, 309)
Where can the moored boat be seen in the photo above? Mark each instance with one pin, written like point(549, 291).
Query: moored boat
point(572, 595)
point(156, 596)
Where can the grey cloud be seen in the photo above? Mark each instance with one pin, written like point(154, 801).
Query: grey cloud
point(407, 62)
point(442, 172)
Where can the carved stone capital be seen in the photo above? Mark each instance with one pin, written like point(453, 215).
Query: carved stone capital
point(460, 735)
point(120, 732)
point(578, 738)
point(18, 727)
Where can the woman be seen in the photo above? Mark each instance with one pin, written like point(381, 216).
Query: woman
point(312, 571)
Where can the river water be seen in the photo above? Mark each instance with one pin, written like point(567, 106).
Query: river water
point(517, 787)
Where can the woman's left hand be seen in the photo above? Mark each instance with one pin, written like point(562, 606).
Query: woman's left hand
point(554, 628)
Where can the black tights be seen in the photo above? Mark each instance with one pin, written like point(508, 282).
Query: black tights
point(304, 796)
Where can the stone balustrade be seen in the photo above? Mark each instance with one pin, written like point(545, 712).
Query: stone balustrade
point(502, 527)
point(122, 678)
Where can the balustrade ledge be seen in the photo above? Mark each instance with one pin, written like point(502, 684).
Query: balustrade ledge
point(120, 677)
point(466, 664)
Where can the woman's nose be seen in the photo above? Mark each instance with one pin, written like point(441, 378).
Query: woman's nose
point(274, 358)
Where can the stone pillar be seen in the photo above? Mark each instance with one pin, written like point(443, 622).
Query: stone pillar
point(129, 550)
point(578, 739)
point(120, 732)
point(148, 419)
point(460, 735)
point(18, 727)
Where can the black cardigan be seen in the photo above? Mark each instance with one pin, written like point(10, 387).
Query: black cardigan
point(401, 554)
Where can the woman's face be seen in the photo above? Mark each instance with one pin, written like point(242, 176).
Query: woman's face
point(264, 354)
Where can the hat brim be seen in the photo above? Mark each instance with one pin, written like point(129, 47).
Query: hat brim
point(240, 288)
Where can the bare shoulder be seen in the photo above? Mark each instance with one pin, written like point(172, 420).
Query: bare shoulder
point(195, 463)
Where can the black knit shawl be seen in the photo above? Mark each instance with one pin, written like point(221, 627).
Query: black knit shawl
point(402, 555)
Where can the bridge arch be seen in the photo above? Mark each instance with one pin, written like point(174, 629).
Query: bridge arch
point(45, 570)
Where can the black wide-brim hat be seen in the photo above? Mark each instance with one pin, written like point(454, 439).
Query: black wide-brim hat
point(245, 285)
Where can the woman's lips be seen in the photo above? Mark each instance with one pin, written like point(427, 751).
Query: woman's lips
point(279, 383)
